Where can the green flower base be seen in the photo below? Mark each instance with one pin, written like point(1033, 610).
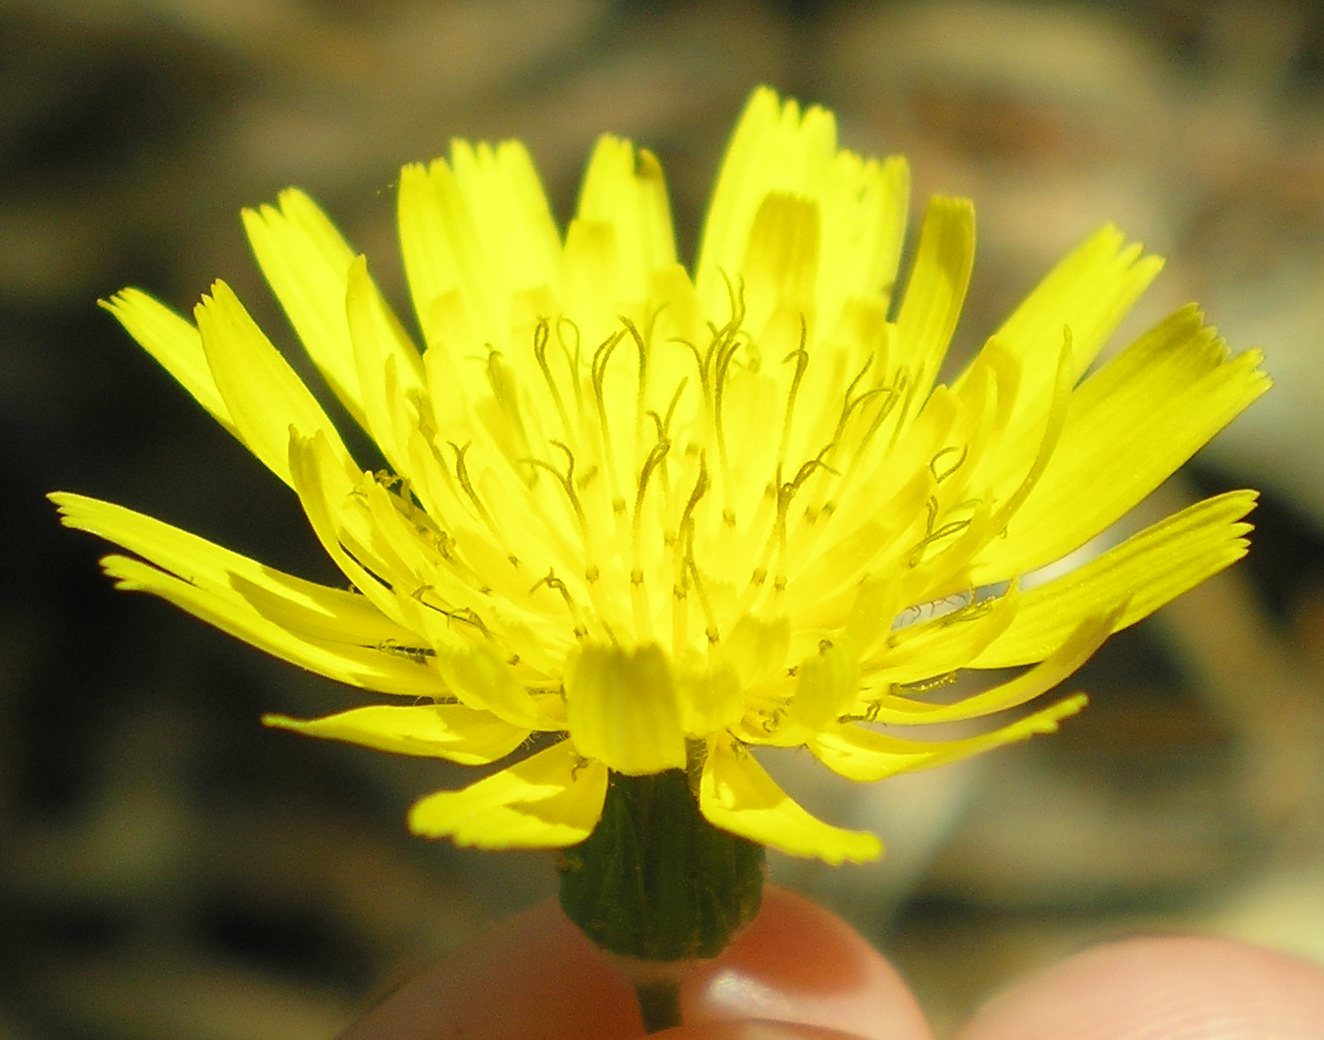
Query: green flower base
point(655, 880)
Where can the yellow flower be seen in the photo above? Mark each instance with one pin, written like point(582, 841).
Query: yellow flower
point(667, 517)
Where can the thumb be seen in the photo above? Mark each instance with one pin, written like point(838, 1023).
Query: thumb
point(1149, 989)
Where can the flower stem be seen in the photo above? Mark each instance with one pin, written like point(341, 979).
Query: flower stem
point(659, 1003)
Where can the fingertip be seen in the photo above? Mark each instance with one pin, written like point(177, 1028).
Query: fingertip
point(1147, 989)
point(798, 963)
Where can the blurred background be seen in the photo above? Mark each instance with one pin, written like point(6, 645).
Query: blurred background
point(170, 869)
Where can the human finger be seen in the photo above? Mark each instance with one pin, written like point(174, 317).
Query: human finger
point(1158, 988)
point(532, 974)
point(797, 962)
point(796, 971)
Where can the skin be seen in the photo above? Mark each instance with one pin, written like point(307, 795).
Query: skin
point(799, 973)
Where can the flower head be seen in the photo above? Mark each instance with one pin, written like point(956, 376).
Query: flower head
point(664, 517)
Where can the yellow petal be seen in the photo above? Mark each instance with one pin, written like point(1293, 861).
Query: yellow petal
point(1151, 568)
point(622, 708)
point(756, 648)
point(322, 485)
point(389, 371)
point(711, 699)
point(174, 343)
point(437, 240)
point(501, 188)
point(938, 281)
point(1020, 460)
point(306, 262)
point(367, 667)
point(478, 228)
point(866, 755)
point(476, 674)
point(923, 649)
point(449, 731)
point(1089, 291)
point(625, 189)
point(737, 795)
point(591, 278)
point(827, 684)
point(1130, 426)
point(549, 800)
point(263, 395)
point(864, 214)
point(780, 265)
point(383, 526)
point(879, 540)
point(302, 606)
point(1009, 471)
point(1075, 650)
point(770, 144)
